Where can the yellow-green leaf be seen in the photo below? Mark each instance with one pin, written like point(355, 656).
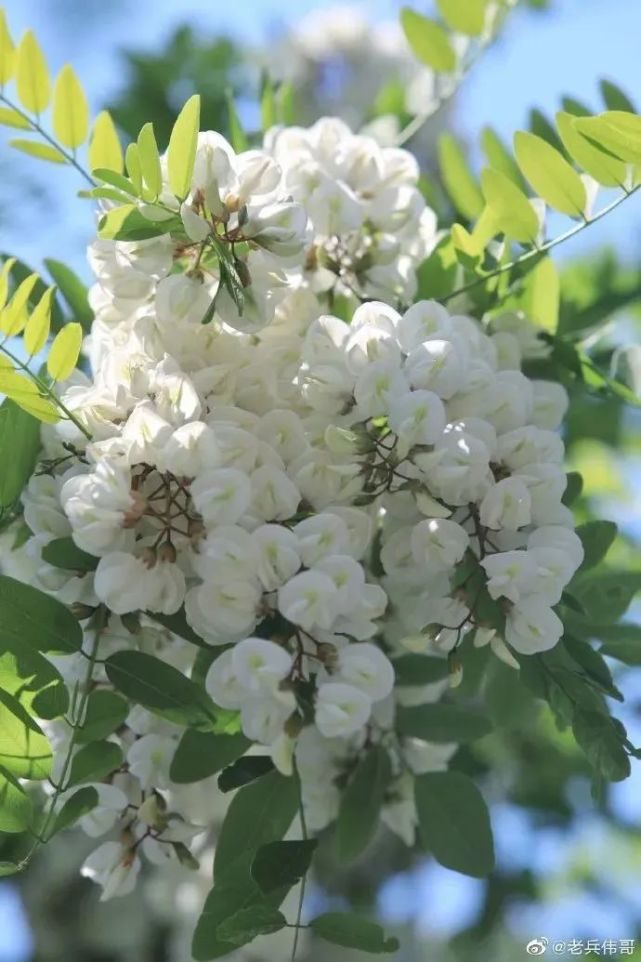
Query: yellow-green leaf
point(459, 181)
point(70, 109)
point(4, 280)
point(513, 212)
point(32, 76)
point(614, 98)
point(550, 174)
point(616, 132)
point(237, 136)
point(25, 393)
point(132, 162)
point(181, 153)
point(7, 52)
point(105, 150)
point(428, 41)
point(542, 294)
point(36, 149)
point(499, 157)
point(150, 160)
point(65, 351)
point(464, 16)
point(605, 169)
point(14, 316)
point(38, 326)
point(11, 118)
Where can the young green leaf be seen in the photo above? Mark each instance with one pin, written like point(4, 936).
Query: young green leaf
point(70, 109)
point(150, 160)
point(32, 76)
point(550, 174)
point(33, 618)
point(259, 813)
point(616, 132)
point(65, 351)
point(19, 447)
point(268, 116)
point(361, 803)
point(605, 169)
point(36, 149)
point(105, 150)
point(458, 179)
point(279, 864)
point(237, 136)
point(454, 823)
point(24, 392)
point(514, 214)
point(440, 722)
point(7, 52)
point(38, 326)
point(428, 41)
point(94, 761)
point(16, 811)
point(464, 16)
point(353, 932)
point(129, 224)
point(499, 157)
point(202, 754)
point(14, 316)
point(134, 169)
point(181, 153)
point(24, 750)
point(11, 118)
point(542, 294)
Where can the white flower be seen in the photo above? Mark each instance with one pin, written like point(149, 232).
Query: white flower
point(274, 496)
point(112, 802)
point(221, 496)
point(563, 539)
point(114, 867)
point(321, 535)
point(438, 543)
point(123, 582)
point(99, 505)
point(531, 626)
point(417, 417)
point(221, 683)
point(278, 555)
point(365, 666)
point(260, 665)
point(263, 719)
point(341, 709)
point(506, 505)
point(223, 612)
point(149, 759)
point(510, 574)
point(438, 366)
point(309, 600)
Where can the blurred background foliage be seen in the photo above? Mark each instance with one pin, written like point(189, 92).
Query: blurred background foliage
point(568, 867)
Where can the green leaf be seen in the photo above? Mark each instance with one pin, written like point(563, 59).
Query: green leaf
point(16, 810)
point(32, 76)
point(7, 52)
point(279, 864)
point(597, 538)
point(150, 160)
point(181, 153)
point(509, 703)
point(599, 737)
point(9, 868)
point(428, 41)
point(464, 16)
point(132, 165)
point(268, 113)
point(95, 761)
point(454, 822)
point(499, 157)
point(542, 294)
point(245, 770)
point(593, 664)
point(436, 276)
point(65, 553)
point(73, 291)
point(24, 750)
point(201, 754)
point(65, 351)
point(361, 803)
point(52, 701)
point(622, 642)
point(105, 150)
point(24, 392)
point(259, 813)
point(128, 224)
point(573, 489)
point(34, 148)
point(605, 169)
point(70, 109)
point(616, 132)
point(38, 327)
point(550, 174)
point(541, 126)
point(514, 214)
point(606, 595)
point(458, 179)
point(80, 803)
point(419, 669)
point(30, 617)
point(443, 723)
point(248, 924)
point(178, 625)
point(614, 98)
point(11, 118)
point(19, 448)
point(237, 136)
point(353, 932)
point(159, 687)
point(105, 713)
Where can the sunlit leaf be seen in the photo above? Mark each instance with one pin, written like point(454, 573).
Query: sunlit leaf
point(514, 214)
point(35, 148)
point(105, 150)
point(32, 75)
point(550, 174)
point(65, 350)
point(428, 41)
point(70, 109)
point(38, 326)
point(181, 153)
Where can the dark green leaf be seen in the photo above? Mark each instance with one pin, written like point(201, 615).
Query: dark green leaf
point(454, 822)
point(178, 625)
point(606, 595)
point(245, 770)
point(573, 489)
point(73, 291)
point(248, 924)
point(361, 803)
point(593, 665)
point(614, 98)
point(419, 669)
point(281, 864)
point(353, 932)
point(443, 723)
point(106, 712)
point(95, 761)
point(600, 739)
point(597, 538)
point(622, 642)
point(237, 136)
point(80, 803)
point(201, 754)
point(509, 703)
point(19, 447)
point(30, 617)
point(65, 553)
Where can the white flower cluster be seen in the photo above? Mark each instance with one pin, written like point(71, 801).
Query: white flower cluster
point(317, 497)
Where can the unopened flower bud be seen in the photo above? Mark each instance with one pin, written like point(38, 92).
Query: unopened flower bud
point(167, 552)
point(148, 557)
point(136, 510)
point(243, 272)
point(328, 654)
point(81, 611)
point(294, 725)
